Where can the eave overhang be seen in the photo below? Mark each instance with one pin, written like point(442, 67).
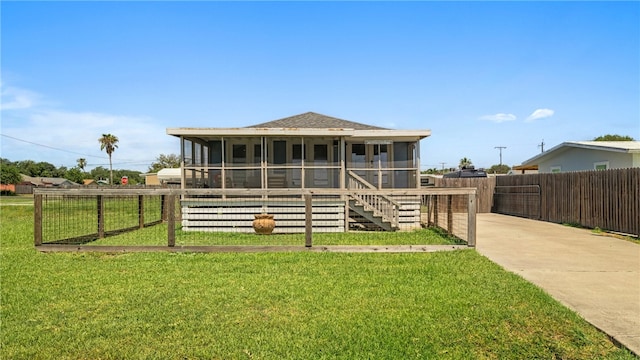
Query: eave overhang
point(211, 133)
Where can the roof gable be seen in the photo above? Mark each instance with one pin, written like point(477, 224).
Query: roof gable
point(311, 120)
point(612, 146)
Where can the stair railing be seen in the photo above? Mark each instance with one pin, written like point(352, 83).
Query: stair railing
point(379, 204)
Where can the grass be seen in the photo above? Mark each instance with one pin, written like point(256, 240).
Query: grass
point(156, 235)
point(275, 305)
point(80, 221)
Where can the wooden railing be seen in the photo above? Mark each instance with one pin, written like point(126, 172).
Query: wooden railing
point(381, 205)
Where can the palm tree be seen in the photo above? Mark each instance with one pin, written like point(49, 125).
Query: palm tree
point(108, 143)
point(82, 163)
point(464, 162)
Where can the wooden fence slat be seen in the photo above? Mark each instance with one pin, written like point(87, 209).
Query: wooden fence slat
point(608, 199)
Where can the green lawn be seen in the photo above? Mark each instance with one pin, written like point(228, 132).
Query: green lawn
point(454, 305)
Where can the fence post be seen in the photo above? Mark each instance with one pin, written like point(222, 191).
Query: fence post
point(163, 210)
point(171, 221)
point(100, 205)
point(471, 219)
point(308, 224)
point(449, 214)
point(435, 210)
point(37, 219)
point(141, 211)
point(427, 202)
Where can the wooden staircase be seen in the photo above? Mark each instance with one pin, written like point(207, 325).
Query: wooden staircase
point(379, 210)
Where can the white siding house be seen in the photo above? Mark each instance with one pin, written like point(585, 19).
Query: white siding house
point(587, 155)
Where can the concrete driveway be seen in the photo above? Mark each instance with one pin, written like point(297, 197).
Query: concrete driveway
point(595, 275)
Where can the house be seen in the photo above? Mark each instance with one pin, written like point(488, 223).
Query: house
point(523, 169)
point(47, 181)
point(151, 179)
point(305, 151)
point(170, 176)
point(587, 155)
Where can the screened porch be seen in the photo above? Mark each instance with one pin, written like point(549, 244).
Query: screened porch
point(277, 162)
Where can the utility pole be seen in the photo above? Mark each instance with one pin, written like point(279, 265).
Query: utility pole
point(442, 163)
point(541, 146)
point(500, 147)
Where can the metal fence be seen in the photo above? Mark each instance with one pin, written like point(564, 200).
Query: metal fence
point(144, 219)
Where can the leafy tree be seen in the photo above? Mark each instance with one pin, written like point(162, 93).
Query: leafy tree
point(75, 175)
point(38, 169)
point(99, 173)
point(165, 161)
point(4, 161)
point(610, 137)
point(465, 162)
point(109, 143)
point(499, 169)
point(9, 174)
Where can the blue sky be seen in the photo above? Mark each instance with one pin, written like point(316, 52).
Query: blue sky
point(477, 74)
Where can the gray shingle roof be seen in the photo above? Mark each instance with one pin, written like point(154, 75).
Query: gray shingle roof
point(311, 120)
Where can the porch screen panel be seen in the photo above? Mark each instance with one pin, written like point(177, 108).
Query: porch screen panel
point(279, 152)
point(404, 165)
point(320, 175)
point(187, 152)
point(215, 164)
point(216, 152)
point(197, 152)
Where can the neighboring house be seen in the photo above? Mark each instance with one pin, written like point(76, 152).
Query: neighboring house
point(8, 187)
point(523, 169)
point(304, 151)
point(170, 176)
point(47, 181)
point(163, 177)
point(151, 179)
point(587, 155)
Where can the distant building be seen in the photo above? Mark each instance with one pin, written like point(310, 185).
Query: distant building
point(47, 181)
point(151, 179)
point(586, 155)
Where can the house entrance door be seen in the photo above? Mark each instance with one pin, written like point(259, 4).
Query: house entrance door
point(371, 161)
point(379, 165)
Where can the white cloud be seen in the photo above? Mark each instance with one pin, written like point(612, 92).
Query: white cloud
point(13, 98)
point(498, 118)
point(540, 114)
point(141, 139)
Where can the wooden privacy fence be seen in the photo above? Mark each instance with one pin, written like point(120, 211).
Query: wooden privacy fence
point(606, 199)
point(144, 219)
point(484, 190)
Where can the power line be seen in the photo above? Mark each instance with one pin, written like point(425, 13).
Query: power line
point(51, 147)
